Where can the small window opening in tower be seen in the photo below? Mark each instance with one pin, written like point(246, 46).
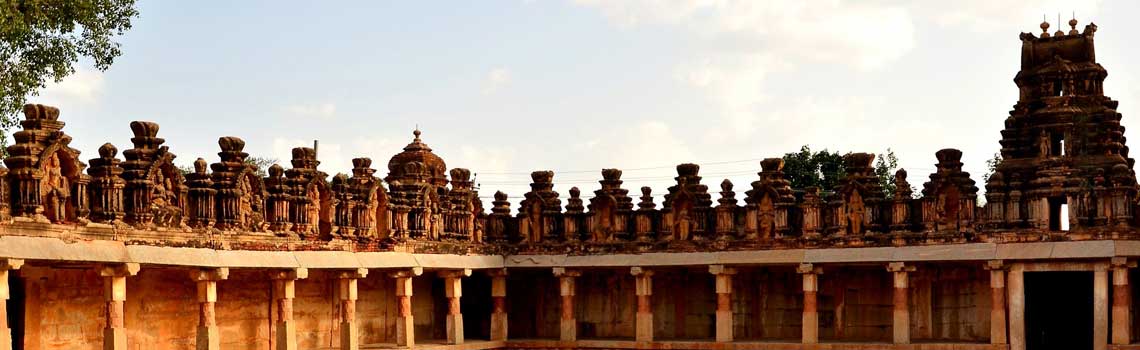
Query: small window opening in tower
point(1058, 88)
point(1057, 146)
point(1058, 214)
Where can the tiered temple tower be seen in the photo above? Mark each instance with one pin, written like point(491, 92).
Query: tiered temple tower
point(1063, 151)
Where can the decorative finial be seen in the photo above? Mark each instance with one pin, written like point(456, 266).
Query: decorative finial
point(1044, 27)
point(1073, 24)
point(1059, 31)
point(417, 133)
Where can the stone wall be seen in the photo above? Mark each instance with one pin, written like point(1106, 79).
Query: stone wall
point(684, 304)
point(64, 308)
point(606, 304)
point(767, 304)
point(533, 304)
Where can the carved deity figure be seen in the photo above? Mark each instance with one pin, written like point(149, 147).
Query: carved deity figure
point(534, 221)
point(683, 224)
point(948, 206)
point(314, 209)
point(1043, 144)
point(855, 212)
point(245, 203)
point(55, 189)
point(767, 216)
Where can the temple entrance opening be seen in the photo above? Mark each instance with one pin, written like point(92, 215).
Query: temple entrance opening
point(15, 314)
point(1059, 310)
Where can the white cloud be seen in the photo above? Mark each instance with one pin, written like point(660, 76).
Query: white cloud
point(318, 110)
point(83, 87)
point(496, 79)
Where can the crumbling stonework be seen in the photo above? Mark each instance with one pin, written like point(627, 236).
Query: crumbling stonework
point(133, 253)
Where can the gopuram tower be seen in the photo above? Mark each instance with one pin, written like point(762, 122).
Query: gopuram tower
point(1063, 150)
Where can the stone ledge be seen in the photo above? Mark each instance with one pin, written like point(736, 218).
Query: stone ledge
point(738, 345)
point(103, 251)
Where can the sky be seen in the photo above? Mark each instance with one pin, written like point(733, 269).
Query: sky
point(509, 87)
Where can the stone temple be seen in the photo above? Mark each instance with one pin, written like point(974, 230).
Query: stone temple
point(129, 252)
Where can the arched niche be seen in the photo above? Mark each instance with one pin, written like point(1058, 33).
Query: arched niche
point(167, 192)
point(602, 212)
point(251, 201)
point(61, 171)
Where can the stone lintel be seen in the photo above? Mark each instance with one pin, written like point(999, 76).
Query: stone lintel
point(210, 274)
point(119, 270)
point(459, 273)
point(352, 273)
point(299, 273)
point(722, 270)
point(11, 264)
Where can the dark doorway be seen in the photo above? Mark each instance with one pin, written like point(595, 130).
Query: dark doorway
point(1059, 310)
point(16, 309)
point(476, 307)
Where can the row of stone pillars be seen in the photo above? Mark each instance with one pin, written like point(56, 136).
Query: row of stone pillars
point(900, 272)
point(284, 282)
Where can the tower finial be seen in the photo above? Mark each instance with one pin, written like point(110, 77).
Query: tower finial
point(1044, 27)
point(1059, 31)
point(1073, 24)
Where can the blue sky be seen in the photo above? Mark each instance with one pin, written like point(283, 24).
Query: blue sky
point(508, 87)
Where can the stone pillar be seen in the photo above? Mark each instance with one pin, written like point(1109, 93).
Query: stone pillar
point(115, 295)
point(453, 289)
point(346, 283)
point(284, 292)
point(1121, 301)
point(997, 303)
point(499, 302)
point(723, 301)
point(569, 325)
point(1100, 307)
point(5, 332)
point(643, 282)
point(901, 324)
point(1015, 287)
point(810, 333)
point(405, 330)
point(209, 337)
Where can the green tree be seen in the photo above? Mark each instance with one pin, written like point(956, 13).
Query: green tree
point(42, 40)
point(886, 164)
point(991, 167)
point(820, 169)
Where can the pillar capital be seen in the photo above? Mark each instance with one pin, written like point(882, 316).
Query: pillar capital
point(995, 265)
point(118, 270)
point(805, 269)
point(352, 273)
point(722, 270)
point(11, 264)
point(900, 267)
point(460, 273)
point(1121, 262)
point(500, 272)
point(565, 272)
point(639, 271)
point(407, 273)
point(299, 273)
point(210, 274)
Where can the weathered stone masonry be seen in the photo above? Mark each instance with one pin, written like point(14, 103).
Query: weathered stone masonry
point(134, 254)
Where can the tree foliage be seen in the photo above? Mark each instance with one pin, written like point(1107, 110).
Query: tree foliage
point(262, 165)
point(42, 40)
point(885, 166)
point(823, 169)
point(991, 167)
point(813, 169)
